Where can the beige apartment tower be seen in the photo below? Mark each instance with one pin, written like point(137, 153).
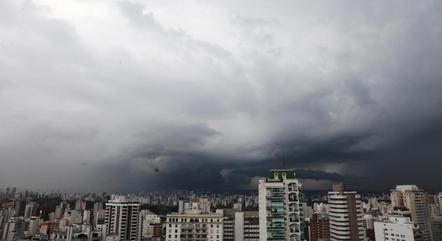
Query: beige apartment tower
point(414, 199)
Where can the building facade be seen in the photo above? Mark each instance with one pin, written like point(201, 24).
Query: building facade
point(14, 229)
point(280, 214)
point(194, 226)
point(436, 228)
point(346, 217)
point(319, 227)
point(150, 226)
point(415, 200)
point(30, 210)
point(395, 228)
point(122, 218)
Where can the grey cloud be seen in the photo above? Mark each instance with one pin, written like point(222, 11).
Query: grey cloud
point(145, 20)
point(215, 94)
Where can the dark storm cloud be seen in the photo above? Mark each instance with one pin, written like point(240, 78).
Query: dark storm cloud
point(141, 95)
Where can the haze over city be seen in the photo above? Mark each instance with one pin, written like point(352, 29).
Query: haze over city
point(119, 95)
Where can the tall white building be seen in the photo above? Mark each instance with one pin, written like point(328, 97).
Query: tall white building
point(395, 228)
point(345, 213)
point(122, 218)
point(280, 214)
point(239, 226)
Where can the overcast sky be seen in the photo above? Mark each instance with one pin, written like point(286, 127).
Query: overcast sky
point(109, 95)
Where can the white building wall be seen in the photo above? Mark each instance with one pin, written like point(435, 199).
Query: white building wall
point(396, 229)
point(239, 226)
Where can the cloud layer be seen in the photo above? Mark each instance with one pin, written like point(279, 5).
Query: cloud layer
point(146, 95)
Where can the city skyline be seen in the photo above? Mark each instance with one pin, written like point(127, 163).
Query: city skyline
point(133, 95)
point(280, 211)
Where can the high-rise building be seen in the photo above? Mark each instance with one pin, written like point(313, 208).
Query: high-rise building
point(239, 225)
point(3, 219)
point(30, 209)
point(433, 210)
point(17, 207)
point(99, 214)
point(59, 210)
point(204, 205)
point(439, 199)
point(436, 228)
point(247, 226)
point(319, 227)
point(86, 216)
point(415, 200)
point(80, 204)
point(280, 214)
point(400, 191)
point(180, 206)
point(396, 228)
point(397, 199)
point(368, 223)
point(122, 218)
point(150, 226)
point(346, 220)
point(32, 226)
point(228, 224)
point(14, 229)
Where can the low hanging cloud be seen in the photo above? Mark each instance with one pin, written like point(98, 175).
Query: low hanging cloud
point(146, 95)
